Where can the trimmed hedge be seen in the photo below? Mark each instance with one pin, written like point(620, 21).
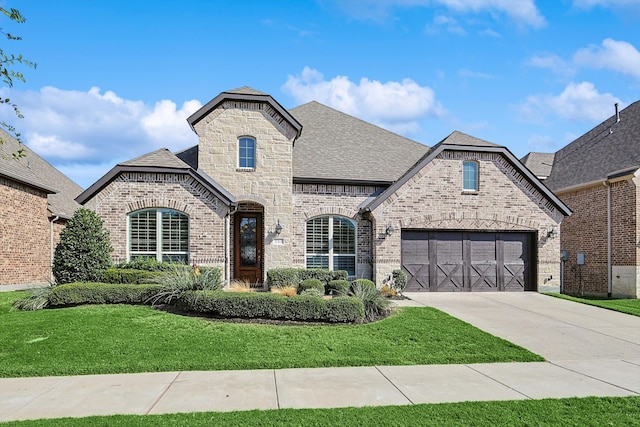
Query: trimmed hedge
point(311, 284)
point(339, 287)
point(289, 276)
point(130, 275)
point(272, 306)
point(101, 293)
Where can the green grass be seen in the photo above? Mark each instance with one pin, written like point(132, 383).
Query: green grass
point(592, 411)
point(628, 306)
point(103, 339)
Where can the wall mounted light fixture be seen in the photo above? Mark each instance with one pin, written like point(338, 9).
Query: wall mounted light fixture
point(552, 233)
point(389, 231)
point(278, 228)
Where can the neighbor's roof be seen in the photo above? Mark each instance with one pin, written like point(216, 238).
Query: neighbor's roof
point(335, 146)
point(34, 171)
point(609, 147)
point(539, 163)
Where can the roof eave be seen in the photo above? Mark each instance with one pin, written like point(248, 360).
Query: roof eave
point(30, 183)
point(341, 181)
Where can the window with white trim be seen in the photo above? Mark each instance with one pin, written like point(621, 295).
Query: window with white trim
point(470, 175)
point(162, 234)
point(331, 243)
point(247, 153)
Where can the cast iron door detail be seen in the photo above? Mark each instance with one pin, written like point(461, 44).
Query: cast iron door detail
point(248, 247)
point(452, 261)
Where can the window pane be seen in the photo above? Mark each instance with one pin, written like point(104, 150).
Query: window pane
point(347, 263)
point(344, 236)
point(247, 153)
point(318, 236)
point(318, 261)
point(143, 232)
point(175, 232)
point(248, 241)
point(470, 176)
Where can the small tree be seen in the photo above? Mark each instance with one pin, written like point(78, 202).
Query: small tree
point(83, 253)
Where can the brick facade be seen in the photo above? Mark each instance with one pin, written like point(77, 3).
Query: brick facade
point(131, 192)
point(586, 231)
point(25, 234)
point(433, 199)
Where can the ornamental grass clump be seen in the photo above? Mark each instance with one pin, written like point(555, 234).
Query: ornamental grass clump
point(180, 279)
point(38, 299)
point(376, 306)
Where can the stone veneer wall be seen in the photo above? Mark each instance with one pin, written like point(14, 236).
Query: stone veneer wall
point(130, 192)
point(312, 200)
point(433, 199)
point(586, 231)
point(269, 184)
point(25, 234)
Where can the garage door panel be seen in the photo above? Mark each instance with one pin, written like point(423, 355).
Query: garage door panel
point(483, 272)
point(415, 260)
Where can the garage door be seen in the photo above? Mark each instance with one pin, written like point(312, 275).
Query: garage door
point(467, 261)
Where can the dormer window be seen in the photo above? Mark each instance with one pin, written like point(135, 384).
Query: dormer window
point(247, 153)
point(470, 176)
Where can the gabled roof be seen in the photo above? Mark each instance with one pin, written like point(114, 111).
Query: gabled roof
point(34, 171)
point(539, 163)
point(458, 141)
point(159, 161)
point(611, 146)
point(247, 94)
point(335, 146)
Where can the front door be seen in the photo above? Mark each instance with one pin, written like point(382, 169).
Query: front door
point(248, 247)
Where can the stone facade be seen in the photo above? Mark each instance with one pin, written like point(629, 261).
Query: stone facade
point(269, 184)
point(433, 199)
point(131, 192)
point(25, 234)
point(586, 231)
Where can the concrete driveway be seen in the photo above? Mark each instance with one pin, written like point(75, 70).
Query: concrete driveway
point(559, 330)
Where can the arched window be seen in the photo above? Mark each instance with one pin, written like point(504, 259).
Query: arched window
point(470, 175)
point(162, 234)
point(246, 153)
point(331, 243)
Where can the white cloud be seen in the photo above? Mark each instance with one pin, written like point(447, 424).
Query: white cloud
point(615, 55)
point(447, 23)
point(588, 4)
point(578, 102)
point(552, 62)
point(75, 130)
point(398, 106)
point(521, 11)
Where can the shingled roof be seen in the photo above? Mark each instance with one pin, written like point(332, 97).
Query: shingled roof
point(335, 146)
point(539, 163)
point(34, 171)
point(610, 147)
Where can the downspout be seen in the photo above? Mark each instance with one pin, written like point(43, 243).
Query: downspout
point(227, 245)
point(51, 247)
point(609, 267)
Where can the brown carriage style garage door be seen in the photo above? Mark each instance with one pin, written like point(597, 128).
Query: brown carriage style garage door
point(468, 261)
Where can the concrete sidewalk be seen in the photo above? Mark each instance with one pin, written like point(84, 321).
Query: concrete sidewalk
point(590, 352)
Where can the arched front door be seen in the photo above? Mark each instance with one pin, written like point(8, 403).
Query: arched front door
point(248, 247)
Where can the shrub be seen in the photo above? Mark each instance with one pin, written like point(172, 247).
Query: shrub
point(146, 263)
point(399, 280)
point(272, 306)
point(277, 277)
point(210, 278)
point(375, 305)
point(101, 293)
point(337, 287)
point(311, 283)
point(128, 275)
point(83, 253)
point(241, 286)
point(388, 291)
point(363, 283)
point(36, 300)
point(313, 292)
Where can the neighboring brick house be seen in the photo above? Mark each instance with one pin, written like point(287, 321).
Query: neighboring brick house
point(268, 187)
point(35, 202)
point(597, 176)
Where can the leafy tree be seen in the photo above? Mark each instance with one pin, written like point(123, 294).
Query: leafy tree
point(83, 253)
point(9, 74)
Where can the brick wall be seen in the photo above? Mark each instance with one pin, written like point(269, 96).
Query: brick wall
point(25, 248)
point(586, 231)
point(433, 199)
point(134, 191)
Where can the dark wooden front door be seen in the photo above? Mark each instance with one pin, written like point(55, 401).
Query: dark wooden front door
point(248, 247)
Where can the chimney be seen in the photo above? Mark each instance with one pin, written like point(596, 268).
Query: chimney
point(617, 113)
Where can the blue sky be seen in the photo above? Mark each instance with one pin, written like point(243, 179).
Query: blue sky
point(117, 79)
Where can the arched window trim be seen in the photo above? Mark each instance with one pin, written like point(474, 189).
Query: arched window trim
point(162, 236)
point(470, 178)
point(334, 260)
point(247, 152)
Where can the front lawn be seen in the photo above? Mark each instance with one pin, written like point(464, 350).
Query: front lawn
point(591, 411)
point(629, 306)
point(103, 339)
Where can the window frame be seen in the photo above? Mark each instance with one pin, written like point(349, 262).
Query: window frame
point(246, 157)
point(159, 236)
point(476, 177)
point(331, 254)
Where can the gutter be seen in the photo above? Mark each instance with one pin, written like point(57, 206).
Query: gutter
point(51, 245)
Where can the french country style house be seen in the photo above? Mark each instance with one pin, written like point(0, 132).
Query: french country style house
point(311, 187)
